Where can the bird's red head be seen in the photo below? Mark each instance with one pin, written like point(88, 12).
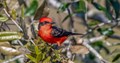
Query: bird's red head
point(47, 19)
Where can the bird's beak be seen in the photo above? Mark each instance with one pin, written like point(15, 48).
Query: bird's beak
point(52, 23)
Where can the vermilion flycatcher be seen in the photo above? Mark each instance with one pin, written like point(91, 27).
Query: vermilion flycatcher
point(52, 34)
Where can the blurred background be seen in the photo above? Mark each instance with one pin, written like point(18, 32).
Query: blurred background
point(97, 20)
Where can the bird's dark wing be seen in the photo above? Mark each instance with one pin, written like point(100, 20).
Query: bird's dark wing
point(58, 32)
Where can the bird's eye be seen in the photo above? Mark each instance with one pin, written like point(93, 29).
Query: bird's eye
point(46, 22)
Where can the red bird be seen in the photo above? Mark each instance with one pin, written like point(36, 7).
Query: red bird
point(52, 34)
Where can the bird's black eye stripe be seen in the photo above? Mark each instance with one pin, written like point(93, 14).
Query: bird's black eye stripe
point(43, 23)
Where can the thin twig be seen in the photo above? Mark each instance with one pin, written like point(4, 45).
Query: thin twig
point(71, 21)
point(7, 25)
point(12, 19)
point(20, 42)
point(85, 18)
point(32, 28)
point(92, 29)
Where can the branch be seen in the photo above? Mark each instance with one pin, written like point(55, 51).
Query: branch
point(13, 59)
point(86, 44)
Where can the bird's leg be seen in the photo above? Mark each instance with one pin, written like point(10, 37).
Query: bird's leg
point(58, 43)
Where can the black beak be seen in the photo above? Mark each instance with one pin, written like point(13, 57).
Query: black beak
point(52, 23)
point(39, 25)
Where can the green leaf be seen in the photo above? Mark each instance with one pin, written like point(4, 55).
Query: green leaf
point(6, 33)
point(78, 7)
point(116, 58)
point(14, 14)
point(82, 6)
point(3, 18)
point(66, 17)
point(93, 23)
point(22, 11)
point(107, 4)
point(99, 7)
point(63, 7)
point(8, 36)
point(43, 55)
point(37, 50)
point(31, 58)
point(17, 61)
point(116, 6)
point(39, 57)
point(57, 54)
point(47, 59)
point(97, 43)
point(106, 31)
point(31, 10)
point(91, 56)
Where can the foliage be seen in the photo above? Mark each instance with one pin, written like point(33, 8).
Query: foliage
point(18, 29)
point(43, 52)
point(31, 10)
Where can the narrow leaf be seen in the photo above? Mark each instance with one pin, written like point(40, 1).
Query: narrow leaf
point(43, 55)
point(82, 5)
point(99, 7)
point(63, 7)
point(10, 37)
point(22, 11)
point(37, 50)
point(116, 6)
point(14, 14)
point(39, 57)
point(3, 18)
point(106, 31)
point(66, 18)
point(47, 59)
point(31, 58)
point(8, 33)
point(31, 10)
point(93, 23)
point(116, 58)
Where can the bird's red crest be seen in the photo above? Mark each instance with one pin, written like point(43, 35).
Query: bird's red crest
point(45, 19)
